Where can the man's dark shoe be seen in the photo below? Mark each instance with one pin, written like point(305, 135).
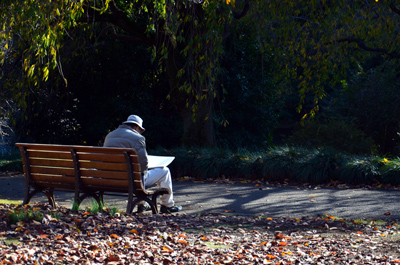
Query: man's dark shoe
point(173, 209)
point(143, 207)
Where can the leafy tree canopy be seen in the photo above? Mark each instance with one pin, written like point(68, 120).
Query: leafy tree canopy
point(319, 42)
point(315, 44)
point(186, 37)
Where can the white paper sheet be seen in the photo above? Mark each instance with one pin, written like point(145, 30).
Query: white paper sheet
point(159, 161)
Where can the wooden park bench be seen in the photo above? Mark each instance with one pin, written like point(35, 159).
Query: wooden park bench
point(87, 171)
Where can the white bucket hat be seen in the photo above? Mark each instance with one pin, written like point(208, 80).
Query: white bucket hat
point(136, 120)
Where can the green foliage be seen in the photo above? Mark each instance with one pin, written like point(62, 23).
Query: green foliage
point(317, 42)
point(249, 102)
point(25, 215)
point(94, 207)
point(391, 172)
point(320, 166)
point(279, 163)
point(75, 206)
point(371, 98)
point(360, 170)
point(205, 51)
point(333, 133)
point(113, 211)
point(11, 161)
point(282, 164)
point(184, 38)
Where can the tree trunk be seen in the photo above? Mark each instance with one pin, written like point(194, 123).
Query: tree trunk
point(199, 131)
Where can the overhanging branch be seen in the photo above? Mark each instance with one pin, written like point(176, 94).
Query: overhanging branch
point(118, 18)
point(363, 46)
point(394, 8)
point(246, 7)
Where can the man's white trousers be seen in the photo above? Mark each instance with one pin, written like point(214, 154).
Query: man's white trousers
point(162, 178)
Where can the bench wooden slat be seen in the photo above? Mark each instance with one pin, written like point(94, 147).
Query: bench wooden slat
point(104, 174)
point(88, 182)
point(49, 154)
point(53, 170)
point(138, 184)
point(88, 149)
point(102, 157)
point(82, 156)
point(53, 178)
point(107, 166)
point(103, 165)
point(51, 162)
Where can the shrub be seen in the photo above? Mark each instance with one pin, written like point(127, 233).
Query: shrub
point(337, 134)
point(11, 161)
point(391, 171)
point(319, 166)
point(360, 170)
point(279, 163)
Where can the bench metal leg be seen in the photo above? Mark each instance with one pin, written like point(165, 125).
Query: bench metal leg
point(27, 196)
point(153, 206)
point(98, 197)
point(48, 192)
point(50, 196)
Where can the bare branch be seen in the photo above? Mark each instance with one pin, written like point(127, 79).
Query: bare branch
point(244, 11)
point(129, 38)
point(363, 46)
point(119, 19)
point(394, 8)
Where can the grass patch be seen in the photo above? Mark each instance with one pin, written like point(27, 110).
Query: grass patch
point(4, 201)
point(10, 241)
point(25, 215)
point(215, 245)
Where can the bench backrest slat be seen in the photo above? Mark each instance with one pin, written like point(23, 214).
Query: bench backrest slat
point(93, 183)
point(102, 157)
point(41, 178)
point(34, 161)
point(49, 154)
point(98, 166)
point(52, 170)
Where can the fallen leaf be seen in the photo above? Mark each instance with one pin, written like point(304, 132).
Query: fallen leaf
point(168, 249)
point(183, 242)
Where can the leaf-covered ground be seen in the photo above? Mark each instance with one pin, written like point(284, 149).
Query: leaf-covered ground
point(65, 237)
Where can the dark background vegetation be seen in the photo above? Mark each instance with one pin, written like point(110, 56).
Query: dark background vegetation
point(254, 108)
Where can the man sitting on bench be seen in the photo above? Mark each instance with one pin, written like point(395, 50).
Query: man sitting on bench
point(129, 135)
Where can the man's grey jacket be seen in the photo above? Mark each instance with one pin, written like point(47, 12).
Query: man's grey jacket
point(125, 136)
